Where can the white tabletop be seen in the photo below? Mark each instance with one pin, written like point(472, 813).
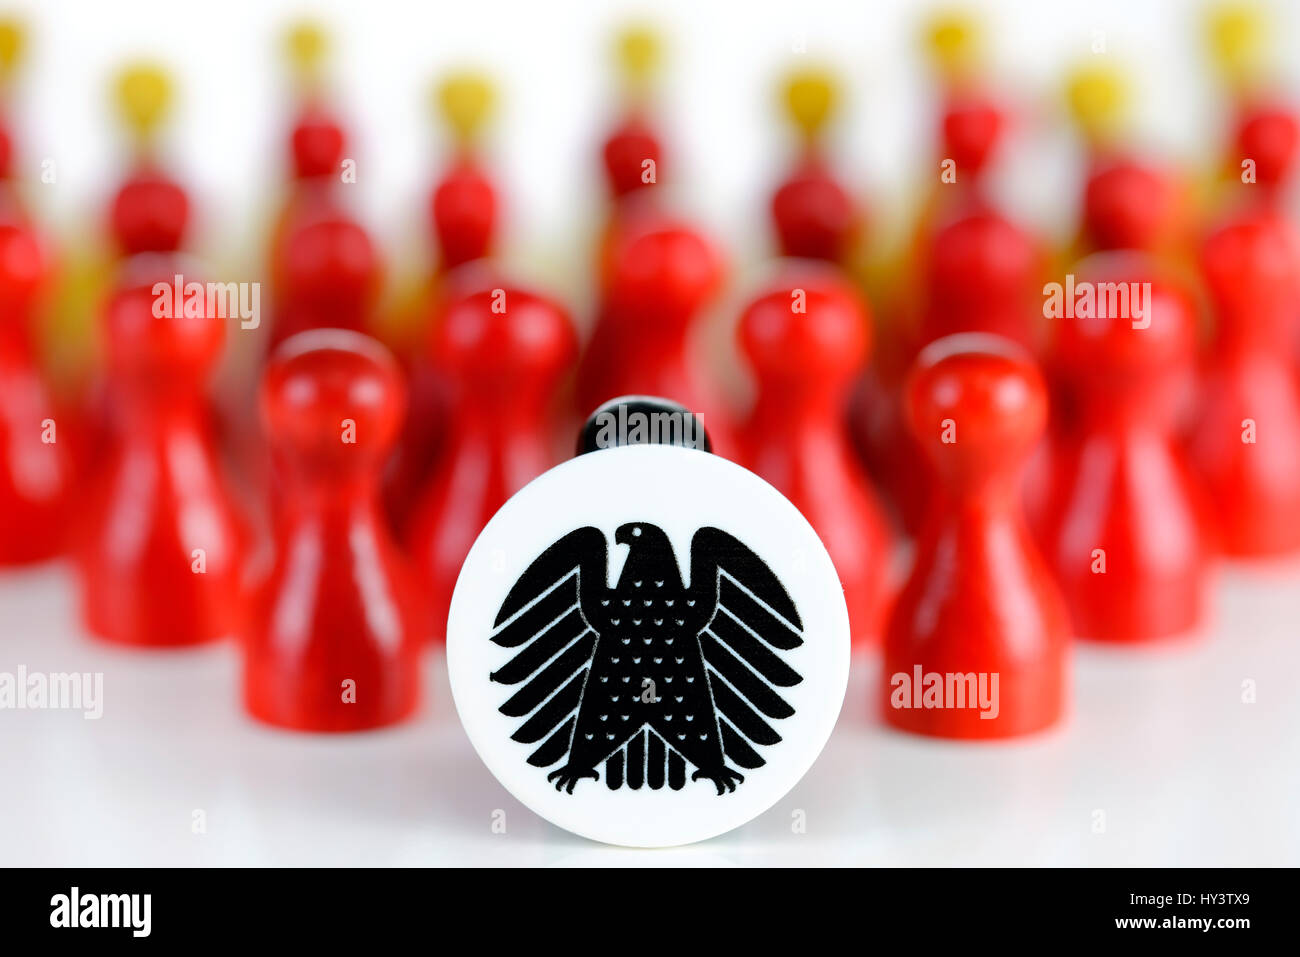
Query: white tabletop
point(1161, 762)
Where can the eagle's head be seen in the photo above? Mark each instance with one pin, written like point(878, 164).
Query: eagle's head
point(649, 553)
point(640, 535)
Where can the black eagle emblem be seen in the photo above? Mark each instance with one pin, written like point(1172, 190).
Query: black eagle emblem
point(648, 676)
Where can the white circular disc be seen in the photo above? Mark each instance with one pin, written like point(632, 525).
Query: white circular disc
point(728, 683)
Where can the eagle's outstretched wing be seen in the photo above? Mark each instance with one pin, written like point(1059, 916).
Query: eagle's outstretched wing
point(543, 617)
point(751, 616)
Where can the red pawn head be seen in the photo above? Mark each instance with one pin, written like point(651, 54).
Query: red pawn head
point(329, 275)
point(149, 214)
point(814, 215)
point(979, 601)
point(806, 339)
point(316, 145)
point(971, 129)
point(811, 330)
point(1252, 270)
point(503, 352)
point(1129, 206)
point(333, 641)
point(1130, 353)
point(1269, 136)
point(982, 275)
point(163, 542)
point(154, 344)
point(662, 276)
point(631, 157)
point(665, 270)
point(464, 212)
point(1123, 524)
point(992, 395)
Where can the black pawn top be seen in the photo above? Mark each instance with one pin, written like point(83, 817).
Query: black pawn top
point(642, 420)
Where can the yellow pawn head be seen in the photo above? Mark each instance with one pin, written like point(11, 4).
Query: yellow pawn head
point(306, 46)
point(144, 97)
point(466, 102)
point(1098, 98)
point(13, 43)
point(1237, 37)
point(954, 43)
point(810, 96)
point(638, 53)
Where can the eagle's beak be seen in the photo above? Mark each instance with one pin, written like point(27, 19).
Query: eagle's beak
point(624, 534)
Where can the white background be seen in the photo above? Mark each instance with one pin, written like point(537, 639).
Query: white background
point(1160, 742)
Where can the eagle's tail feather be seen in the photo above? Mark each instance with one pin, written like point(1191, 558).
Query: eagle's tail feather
point(645, 760)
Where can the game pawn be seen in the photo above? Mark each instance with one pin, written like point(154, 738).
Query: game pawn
point(35, 469)
point(333, 640)
point(164, 543)
point(663, 279)
point(814, 215)
point(1124, 523)
point(806, 337)
point(976, 645)
point(1246, 440)
point(503, 352)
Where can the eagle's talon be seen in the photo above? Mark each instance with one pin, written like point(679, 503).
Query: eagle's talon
point(566, 777)
point(724, 780)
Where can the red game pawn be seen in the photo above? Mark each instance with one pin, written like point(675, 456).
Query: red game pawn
point(662, 280)
point(1123, 521)
point(1246, 442)
point(35, 471)
point(980, 602)
point(503, 352)
point(333, 639)
point(806, 338)
point(164, 544)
